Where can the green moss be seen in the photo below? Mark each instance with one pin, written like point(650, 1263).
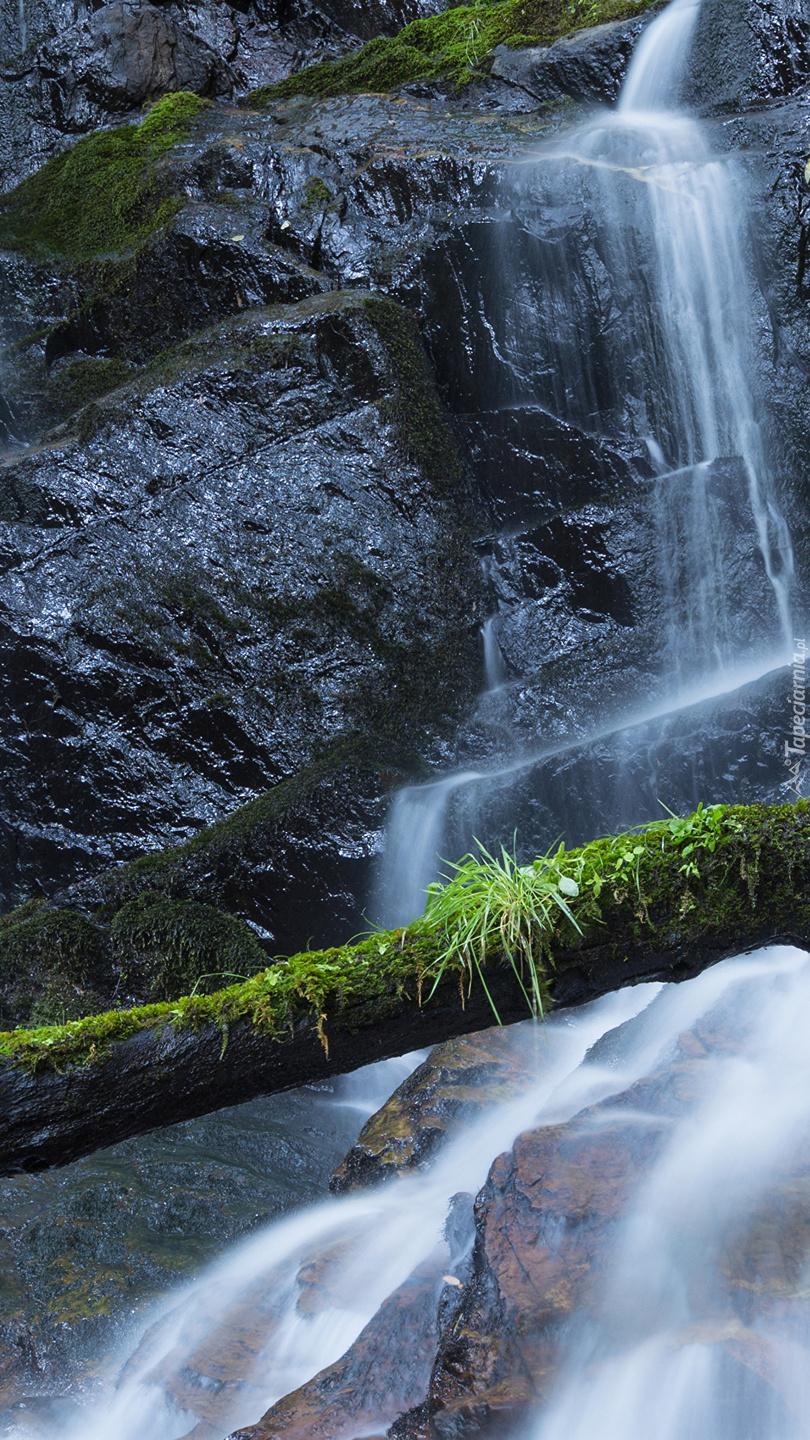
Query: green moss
point(22, 912)
point(165, 947)
point(102, 196)
point(347, 984)
point(414, 409)
point(52, 963)
point(76, 385)
point(746, 877)
point(63, 940)
point(317, 194)
point(450, 45)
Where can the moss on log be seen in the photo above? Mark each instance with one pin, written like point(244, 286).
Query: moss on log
point(659, 903)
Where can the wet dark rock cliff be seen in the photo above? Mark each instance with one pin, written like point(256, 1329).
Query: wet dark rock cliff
point(271, 461)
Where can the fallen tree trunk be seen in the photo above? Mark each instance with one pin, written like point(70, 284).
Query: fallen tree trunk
point(660, 904)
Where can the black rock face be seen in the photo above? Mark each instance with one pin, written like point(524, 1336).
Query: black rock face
point(70, 66)
point(240, 534)
point(224, 575)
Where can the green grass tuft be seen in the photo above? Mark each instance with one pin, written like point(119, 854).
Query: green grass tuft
point(104, 195)
point(491, 903)
point(451, 45)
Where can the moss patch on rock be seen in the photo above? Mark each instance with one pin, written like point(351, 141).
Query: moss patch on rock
point(218, 848)
point(164, 947)
point(452, 45)
point(52, 964)
point(414, 409)
point(104, 195)
point(339, 983)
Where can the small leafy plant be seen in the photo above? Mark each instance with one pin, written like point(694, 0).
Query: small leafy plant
point(492, 902)
point(702, 830)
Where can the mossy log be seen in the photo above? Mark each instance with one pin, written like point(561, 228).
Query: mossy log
point(660, 904)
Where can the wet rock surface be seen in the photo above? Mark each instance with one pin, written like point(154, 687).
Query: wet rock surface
point(86, 1247)
point(209, 531)
point(457, 1082)
point(358, 1391)
point(69, 66)
point(588, 66)
point(545, 1227)
point(219, 669)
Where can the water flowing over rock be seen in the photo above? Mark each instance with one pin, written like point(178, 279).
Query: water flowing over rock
point(640, 1207)
point(379, 400)
point(654, 1242)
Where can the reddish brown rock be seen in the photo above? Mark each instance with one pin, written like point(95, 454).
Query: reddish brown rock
point(383, 1374)
point(459, 1079)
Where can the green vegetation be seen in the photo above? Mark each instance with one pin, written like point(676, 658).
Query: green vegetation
point(723, 878)
point(51, 964)
point(345, 982)
point(166, 946)
point(59, 965)
point(490, 903)
point(105, 194)
point(317, 194)
point(450, 45)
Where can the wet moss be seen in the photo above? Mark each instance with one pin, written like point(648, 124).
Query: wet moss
point(167, 947)
point(414, 409)
point(742, 877)
point(52, 964)
point(105, 194)
point(344, 985)
point(75, 386)
point(451, 45)
point(317, 194)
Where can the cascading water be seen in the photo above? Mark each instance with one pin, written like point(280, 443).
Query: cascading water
point(682, 1331)
point(719, 1146)
point(375, 1238)
point(670, 329)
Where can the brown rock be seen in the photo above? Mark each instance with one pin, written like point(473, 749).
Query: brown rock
point(459, 1079)
point(383, 1374)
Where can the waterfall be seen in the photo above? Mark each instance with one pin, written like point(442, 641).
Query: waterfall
point(376, 1239)
point(663, 1309)
point(675, 1332)
point(678, 354)
point(660, 59)
point(494, 667)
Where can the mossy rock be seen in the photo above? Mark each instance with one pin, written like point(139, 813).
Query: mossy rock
point(452, 45)
point(54, 966)
point(166, 948)
point(103, 196)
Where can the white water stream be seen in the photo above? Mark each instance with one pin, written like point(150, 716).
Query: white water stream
point(682, 1346)
point(384, 1233)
